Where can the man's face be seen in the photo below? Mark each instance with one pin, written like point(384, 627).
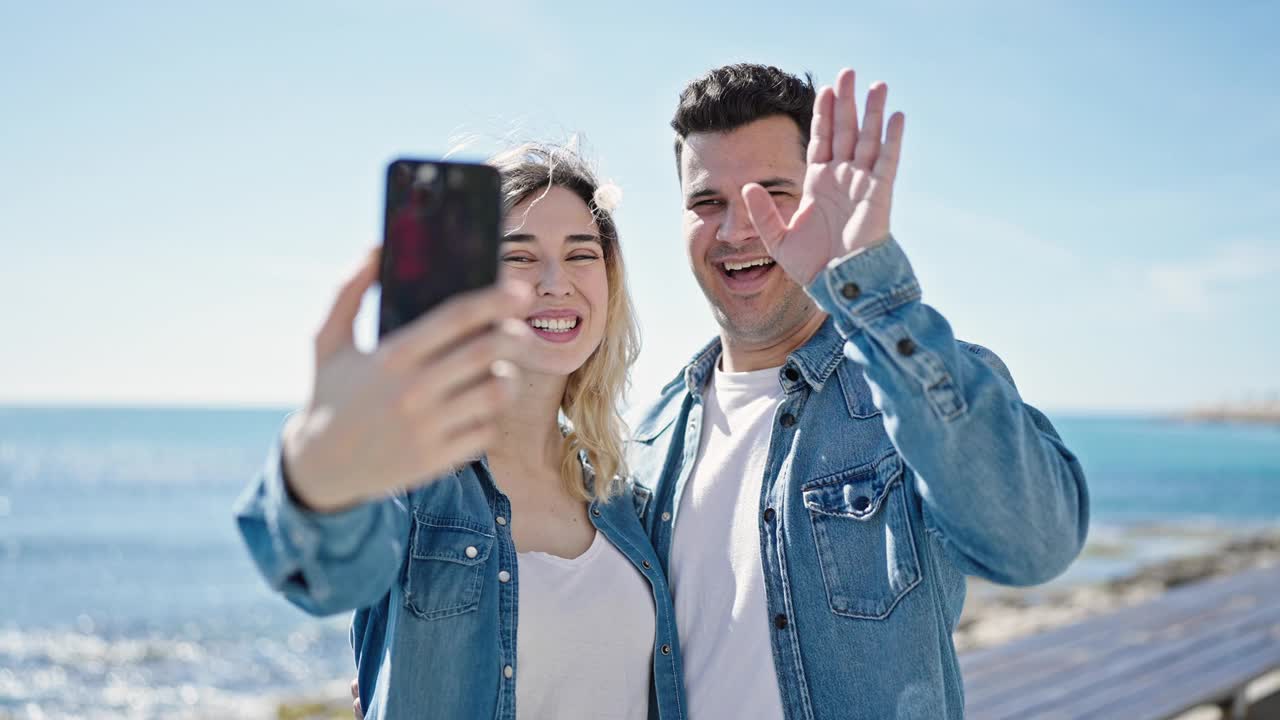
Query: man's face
point(760, 304)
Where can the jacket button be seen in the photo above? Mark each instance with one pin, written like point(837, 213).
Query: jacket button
point(666, 649)
point(850, 291)
point(646, 564)
point(595, 511)
point(768, 515)
point(504, 576)
point(780, 622)
point(501, 520)
point(666, 517)
point(906, 347)
point(791, 374)
point(508, 672)
point(787, 420)
point(861, 503)
point(471, 551)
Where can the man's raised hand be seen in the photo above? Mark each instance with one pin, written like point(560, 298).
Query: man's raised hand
point(848, 187)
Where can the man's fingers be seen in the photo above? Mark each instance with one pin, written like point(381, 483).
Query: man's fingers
point(886, 167)
point(355, 689)
point(820, 128)
point(845, 133)
point(453, 321)
point(764, 216)
point(336, 332)
point(868, 147)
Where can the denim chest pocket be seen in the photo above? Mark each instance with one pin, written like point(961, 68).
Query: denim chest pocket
point(862, 530)
point(446, 566)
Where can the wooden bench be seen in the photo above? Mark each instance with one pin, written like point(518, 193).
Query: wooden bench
point(1195, 645)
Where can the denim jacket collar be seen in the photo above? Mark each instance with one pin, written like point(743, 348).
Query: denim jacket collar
point(816, 359)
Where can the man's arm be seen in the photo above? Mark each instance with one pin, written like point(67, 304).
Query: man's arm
point(323, 562)
point(999, 489)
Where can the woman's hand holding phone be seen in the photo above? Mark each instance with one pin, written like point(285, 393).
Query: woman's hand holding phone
point(424, 401)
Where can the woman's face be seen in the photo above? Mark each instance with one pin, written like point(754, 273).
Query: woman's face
point(552, 243)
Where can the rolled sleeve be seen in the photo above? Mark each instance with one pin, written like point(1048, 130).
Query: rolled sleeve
point(859, 288)
point(314, 558)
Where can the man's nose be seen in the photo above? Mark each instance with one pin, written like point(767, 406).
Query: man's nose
point(735, 227)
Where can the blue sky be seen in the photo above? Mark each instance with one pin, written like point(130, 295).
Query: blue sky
point(1091, 189)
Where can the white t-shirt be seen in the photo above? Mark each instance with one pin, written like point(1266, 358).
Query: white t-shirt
point(584, 643)
point(717, 576)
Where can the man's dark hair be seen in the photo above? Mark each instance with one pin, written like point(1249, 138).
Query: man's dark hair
point(731, 96)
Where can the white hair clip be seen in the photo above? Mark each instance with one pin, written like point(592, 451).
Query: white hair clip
point(607, 196)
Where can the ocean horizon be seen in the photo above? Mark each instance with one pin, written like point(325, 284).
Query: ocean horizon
point(125, 590)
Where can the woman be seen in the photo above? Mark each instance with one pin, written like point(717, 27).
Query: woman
point(514, 583)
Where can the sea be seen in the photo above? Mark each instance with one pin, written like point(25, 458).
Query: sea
point(125, 591)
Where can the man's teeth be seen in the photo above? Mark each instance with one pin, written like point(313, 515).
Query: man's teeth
point(555, 324)
point(735, 266)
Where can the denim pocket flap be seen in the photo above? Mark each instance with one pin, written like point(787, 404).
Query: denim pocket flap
point(449, 539)
point(856, 493)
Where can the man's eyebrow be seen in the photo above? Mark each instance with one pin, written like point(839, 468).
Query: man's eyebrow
point(767, 184)
point(575, 238)
point(776, 182)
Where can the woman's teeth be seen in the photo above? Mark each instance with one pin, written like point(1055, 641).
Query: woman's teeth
point(555, 324)
point(736, 266)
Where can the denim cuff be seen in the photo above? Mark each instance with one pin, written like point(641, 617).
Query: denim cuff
point(858, 288)
point(303, 533)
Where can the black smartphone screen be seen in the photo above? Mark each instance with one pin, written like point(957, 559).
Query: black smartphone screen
point(440, 236)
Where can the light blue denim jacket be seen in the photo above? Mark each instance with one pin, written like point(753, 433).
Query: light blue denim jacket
point(435, 628)
point(900, 461)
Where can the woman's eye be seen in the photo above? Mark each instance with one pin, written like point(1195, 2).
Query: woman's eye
point(584, 257)
point(517, 259)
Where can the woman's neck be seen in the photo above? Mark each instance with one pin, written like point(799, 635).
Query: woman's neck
point(529, 439)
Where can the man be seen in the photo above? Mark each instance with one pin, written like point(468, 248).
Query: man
point(827, 471)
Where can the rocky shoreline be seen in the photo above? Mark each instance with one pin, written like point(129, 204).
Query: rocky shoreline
point(995, 615)
point(1263, 413)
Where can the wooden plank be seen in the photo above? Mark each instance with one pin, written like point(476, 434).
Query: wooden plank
point(1071, 659)
point(1205, 647)
point(1212, 636)
point(1181, 685)
point(1244, 609)
point(1191, 600)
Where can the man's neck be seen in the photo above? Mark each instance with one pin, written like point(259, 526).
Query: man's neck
point(745, 356)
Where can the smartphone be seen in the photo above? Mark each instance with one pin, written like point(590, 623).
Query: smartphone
point(440, 236)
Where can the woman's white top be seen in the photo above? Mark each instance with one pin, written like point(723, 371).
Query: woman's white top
point(584, 642)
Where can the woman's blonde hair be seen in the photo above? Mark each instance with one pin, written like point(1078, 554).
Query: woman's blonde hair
point(594, 392)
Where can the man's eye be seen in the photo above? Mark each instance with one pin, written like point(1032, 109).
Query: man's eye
point(706, 203)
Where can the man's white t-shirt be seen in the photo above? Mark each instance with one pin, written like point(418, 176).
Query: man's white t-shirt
point(717, 576)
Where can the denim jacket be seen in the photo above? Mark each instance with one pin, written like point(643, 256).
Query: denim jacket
point(433, 577)
point(901, 460)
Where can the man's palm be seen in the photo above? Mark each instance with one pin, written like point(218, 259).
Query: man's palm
point(848, 187)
